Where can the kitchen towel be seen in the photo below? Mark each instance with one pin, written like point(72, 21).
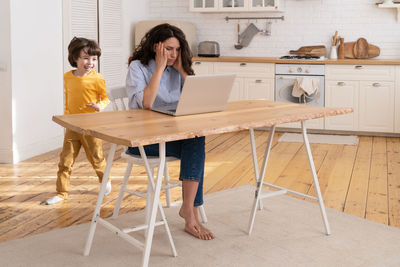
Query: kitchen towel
point(247, 35)
point(305, 85)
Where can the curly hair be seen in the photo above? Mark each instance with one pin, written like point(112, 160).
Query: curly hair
point(145, 50)
point(79, 43)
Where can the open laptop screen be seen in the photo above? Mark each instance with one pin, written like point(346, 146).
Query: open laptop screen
point(201, 94)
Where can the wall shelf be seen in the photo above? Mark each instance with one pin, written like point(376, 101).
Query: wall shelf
point(391, 5)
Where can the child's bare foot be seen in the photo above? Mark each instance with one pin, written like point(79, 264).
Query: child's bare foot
point(194, 227)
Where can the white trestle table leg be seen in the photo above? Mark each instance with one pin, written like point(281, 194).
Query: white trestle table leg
point(155, 205)
point(315, 178)
point(122, 190)
point(257, 197)
point(281, 190)
point(255, 162)
point(149, 200)
point(100, 198)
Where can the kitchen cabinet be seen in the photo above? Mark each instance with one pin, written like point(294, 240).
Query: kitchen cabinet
point(203, 5)
point(376, 106)
point(264, 5)
point(368, 89)
point(342, 94)
point(200, 67)
point(253, 80)
point(258, 89)
point(234, 5)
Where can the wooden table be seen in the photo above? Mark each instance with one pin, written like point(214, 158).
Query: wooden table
point(143, 127)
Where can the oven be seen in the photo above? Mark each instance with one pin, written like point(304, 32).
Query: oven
point(286, 76)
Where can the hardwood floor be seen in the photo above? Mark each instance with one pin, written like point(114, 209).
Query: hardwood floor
point(362, 180)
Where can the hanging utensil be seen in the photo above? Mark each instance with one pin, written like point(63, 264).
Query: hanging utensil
point(238, 45)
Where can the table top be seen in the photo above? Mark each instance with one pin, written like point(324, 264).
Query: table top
point(143, 127)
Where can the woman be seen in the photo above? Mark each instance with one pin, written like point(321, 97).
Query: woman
point(157, 71)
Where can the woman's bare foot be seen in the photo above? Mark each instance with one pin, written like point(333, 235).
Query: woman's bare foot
point(206, 230)
point(193, 226)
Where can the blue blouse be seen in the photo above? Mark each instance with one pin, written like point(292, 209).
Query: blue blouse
point(138, 78)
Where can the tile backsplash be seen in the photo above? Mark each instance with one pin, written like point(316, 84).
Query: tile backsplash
point(307, 22)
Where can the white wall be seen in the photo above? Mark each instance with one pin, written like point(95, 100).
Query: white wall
point(5, 83)
point(133, 11)
point(36, 76)
point(307, 22)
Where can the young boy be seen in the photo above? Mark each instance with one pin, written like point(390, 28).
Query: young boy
point(85, 92)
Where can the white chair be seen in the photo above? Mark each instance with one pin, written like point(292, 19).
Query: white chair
point(117, 96)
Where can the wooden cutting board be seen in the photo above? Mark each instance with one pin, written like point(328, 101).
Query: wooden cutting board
point(348, 49)
point(360, 49)
point(373, 51)
point(316, 50)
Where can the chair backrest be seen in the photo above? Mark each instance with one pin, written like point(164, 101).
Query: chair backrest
point(118, 96)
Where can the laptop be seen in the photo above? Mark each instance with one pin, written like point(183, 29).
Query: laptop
point(201, 94)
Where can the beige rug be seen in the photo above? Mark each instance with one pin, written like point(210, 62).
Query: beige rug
point(320, 139)
point(288, 232)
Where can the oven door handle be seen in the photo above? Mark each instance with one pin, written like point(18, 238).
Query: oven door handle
point(287, 78)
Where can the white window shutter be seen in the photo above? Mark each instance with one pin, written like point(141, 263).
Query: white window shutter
point(110, 34)
point(80, 20)
point(84, 19)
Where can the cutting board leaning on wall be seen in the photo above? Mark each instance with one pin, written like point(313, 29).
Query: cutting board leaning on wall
point(142, 27)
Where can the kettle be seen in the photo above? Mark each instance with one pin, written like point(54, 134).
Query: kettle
point(208, 49)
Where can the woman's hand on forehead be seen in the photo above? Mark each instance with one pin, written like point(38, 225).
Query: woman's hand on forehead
point(161, 55)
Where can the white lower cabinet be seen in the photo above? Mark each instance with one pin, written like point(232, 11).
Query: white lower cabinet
point(253, 80)
point(372, 91)
point(201, 67)
point(369, 90)
point(258, 89)
point(376, 106)
point(252, 89)
point(342, 94)
point(237, 90)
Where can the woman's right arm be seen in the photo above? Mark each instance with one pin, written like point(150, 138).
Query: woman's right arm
point(150, 92)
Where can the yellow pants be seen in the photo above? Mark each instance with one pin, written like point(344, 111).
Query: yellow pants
point(72, 144)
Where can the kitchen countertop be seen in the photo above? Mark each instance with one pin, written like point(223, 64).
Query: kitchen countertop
point(299, 61)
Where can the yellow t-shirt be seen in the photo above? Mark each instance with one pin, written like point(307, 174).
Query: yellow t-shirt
point(79, 91)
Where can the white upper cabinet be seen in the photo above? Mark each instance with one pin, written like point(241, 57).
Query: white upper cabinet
point(203, 5)
point(233, 5)
point(264, 5)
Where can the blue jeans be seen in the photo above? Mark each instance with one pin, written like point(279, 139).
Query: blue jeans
point(191, 152)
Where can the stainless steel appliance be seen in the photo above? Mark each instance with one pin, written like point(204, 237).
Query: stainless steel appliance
point(286, 76)
point(208, 49)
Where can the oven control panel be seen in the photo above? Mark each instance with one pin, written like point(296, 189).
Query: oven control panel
point(299, 69)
